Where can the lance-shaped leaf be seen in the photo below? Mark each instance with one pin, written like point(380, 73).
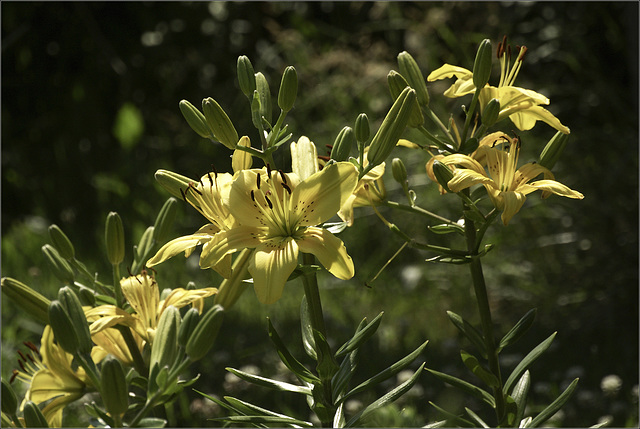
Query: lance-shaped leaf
point(386, 399)
point(478, 370)
point(465, 387)
point(246, 409)
point(290, 362)
point(308, 342)
point(360, 336)
point(338, 419)
point(271, 384)
point(528, 360)
point(469, 331)
point(476, 418)
point(520, 393)
point(340, 381)
point(451, 418)
point(554, 406)
point(271, 420)
point(518, 330)
point(327, 365)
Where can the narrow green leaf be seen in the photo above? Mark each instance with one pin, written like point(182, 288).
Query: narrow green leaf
point(338, 418)
point(340, 381)
point(221, 403)
point(452, 418)
point(468, 331)
point(465, 387)
point(264, 420)
point(511, 412)
point(152, 422)
point(271, 384)
point(250, 409)
point(528, 360)
point(360, 336)
point(518, 330)
point(327, 366)
point(554, 406)
point(446, 228)
point(308, 342)
point(476, 418)
point(386, 399)
point(290, 362)
point(519, 394)
point(474, 366)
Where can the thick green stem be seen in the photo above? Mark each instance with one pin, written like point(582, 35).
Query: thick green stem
point(138, 361)
point(116, 285)
point(313, 296)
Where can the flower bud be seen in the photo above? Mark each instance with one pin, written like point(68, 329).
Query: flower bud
point(73, 308)
point(342, 145)
point(411, 72)
point(397, 84)
point(362, 128)
point(205, 333)
point(220, 123)
point(288, 89)
point(63, 327)
point(188, 325)
point(392, 127)
point(164, 220)
point(469, 146)
point(304, 158)
point(490, 112)
point(33, 303)
point(115, 394)
point(146, 243)
point(60, 267)
point(114, 238)
point(443, 174)
point(175, 184)
point(399, 171)
point(33, 417)
point(262, 86)
point(482, 64)
point(195, 119)
point(85, 295)
point(241, 160)
point(164, 349)
point(256, 110)
point(246, 76)
point(61, 242)
point(553, 150)
point(9, 399)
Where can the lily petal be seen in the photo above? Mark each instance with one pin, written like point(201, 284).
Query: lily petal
point(526, 119)
point(551, 186)
point(464, 178)
point(447, 71)
point(183, 244)
point(329, 250)
point(227, 242)
point(511, 204)
point(180, 297)
point(272, 264)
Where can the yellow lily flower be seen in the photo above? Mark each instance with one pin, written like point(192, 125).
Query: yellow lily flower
point(278, 215)
point(142, 293)
point(507, 186)
point(370, 189)
point(522, 106)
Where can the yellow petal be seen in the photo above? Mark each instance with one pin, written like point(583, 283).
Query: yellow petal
point(240, 159)
point(464, 178)
point(183, 244)
point(551, 186)
point(180, 297)
point(447, 71)
point(329, 250)
point(228, 242)
point(511, 204)
point(526, 119)
point(271, 265)
point(142, 294)
point(407, 143)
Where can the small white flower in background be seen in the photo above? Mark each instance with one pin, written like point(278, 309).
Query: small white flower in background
point(611, 384)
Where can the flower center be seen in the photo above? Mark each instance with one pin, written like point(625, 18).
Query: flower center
point(209, 202)
point(30, 363)
point(506, 161)
point(508, 76)
point(272, 197)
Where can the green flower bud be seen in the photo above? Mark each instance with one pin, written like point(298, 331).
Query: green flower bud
point(246, 76)
point(262, 86)
point(469, 146)
point(115, 394)
point(146, 243)
point(114, 238)
point(362, 128)
point(256, 110)
point(220, 123)
point(73, 308)
point(61, 242)
point(9, 399)
point(175, 183)
point(397, 84)
point(342, 145)
point(206, 331)
point(33, 417)
point(59, 266)
point(195, 119)
point(482, 64)
point(188, 325)
point(553, 150)
point(288, 89)
point(33, 303)
point(85, 295)
point(304, 157)
point(443, 174)
point(392, 127)
point(63, 327)
point(164, 349)
point(411, 72)
point(490, 112)
point(164, 220)
point(399, 171)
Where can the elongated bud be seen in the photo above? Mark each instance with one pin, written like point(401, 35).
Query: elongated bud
point(411, 72)
point(397, 84)
point(256, 110)
point(188, 325)
point(32, 302)
point(176, 184)
point(399, 171)
point(114, 238)
point(482, 64)
point(342, 145)
point(164, 220)
point(145, 245)
point(63, 327)
point(241, 160)
point(33, 417)
point(262, 86)
point(206, 331)
point(362, 128)
point(61, 242)
point(246, 76)
point(392, 127)
point(72, 306)
point(85, 295)
point(115, 394)
point(9, 399)
point(195, 119)
point(469, 146)
point(553, 150)
point(220, 123)
point(288, 89)
point(304, 158)
point(491, 112)
point(164, 349)
point(443, 174)
point(59, 266)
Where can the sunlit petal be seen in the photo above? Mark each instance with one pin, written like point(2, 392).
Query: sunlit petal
point(511, 203)
point(551, 186)
point(272, 264)
point(227, 242)
point(180, 297)
point(526, 119)
point(463, 179)
point(329, 250)
point(183, 244)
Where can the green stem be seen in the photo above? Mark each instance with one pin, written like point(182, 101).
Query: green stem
point(312, 293)
point(470, 112)
point(440, 125)
point(418, 210)
point(138, 361)
point(116, 285)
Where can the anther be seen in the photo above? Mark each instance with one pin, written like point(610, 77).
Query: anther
point(284, 178)
point(253, 198)
point(22, 366)
point(193, 188)
point(22, 356)
point(257, 180)
point(184, 197)
point(215, 172)
point(268, 171)
point(285, 186)
point(13, 376)
point(268, 202)
point(210, 180)
point(523, 52)
point(31, 346)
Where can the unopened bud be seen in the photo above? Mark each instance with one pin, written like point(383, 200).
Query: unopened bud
point(491, 112)
point(59, 266)
point(241, 160)
point(482, 64)
point(397, 84)
point(246, 76)
point(205, 333)
point(164, 220)
point(33, 417)
point(164, 349)
point(342, 145)
point(145, 245)
point(32, 302)
point(115, 394)
point(288, 89)
point(362, 128)
point(63, 327)
point(392, 127)
point(73, 308)
point(256, 110)
point(262, 86)
point(195, 119)
point(220, 123)
point(188, 325)
point(469, 146)
point(443, 174)
point(9, 399)
point(553, 150)
point(114, 238)
point(85, 295)
point(399, 171)
point(411, 72)
point(61, 242)
point(174, 183)
point(304, 158)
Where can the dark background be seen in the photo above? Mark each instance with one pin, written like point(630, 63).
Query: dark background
point(90, 94)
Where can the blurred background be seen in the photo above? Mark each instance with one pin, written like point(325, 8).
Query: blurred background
point(90, 94)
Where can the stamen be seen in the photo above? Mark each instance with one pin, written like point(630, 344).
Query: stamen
point(284, 178)
point(215, 172)
point(13, 376)
point(285, 186)
point(184, 197)
point(523, 52)
point(193, 188)
point(257, 180)
point(253, 198)
point(31, 346)
point(268, 202)
point(22, 366)
point(268, 171)
point(21, 355)
point(210, 180)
